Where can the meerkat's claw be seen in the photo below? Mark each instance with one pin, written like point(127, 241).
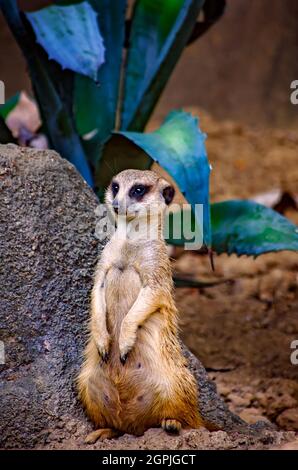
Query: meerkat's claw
point(103, 354)
point(123, 358)
point(105, 357)
point(171, 425)
point(127, 338)
point(103, 347)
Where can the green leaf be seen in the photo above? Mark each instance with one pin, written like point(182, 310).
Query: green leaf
point(160, 30)
point(95, 105)
point(6, 108)
point(71, 37)
point(242, 228)
point(179, 147)
point(248, 228)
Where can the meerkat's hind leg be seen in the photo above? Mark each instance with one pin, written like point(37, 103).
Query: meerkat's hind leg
point(101, 434)
point(171, 425)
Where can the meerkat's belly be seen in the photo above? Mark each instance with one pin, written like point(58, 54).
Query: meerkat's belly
point(122, 287)
point(147, 386)
point(135, 394)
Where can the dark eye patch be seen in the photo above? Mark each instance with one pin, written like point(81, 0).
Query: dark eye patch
point(168, 194)
point(115, 188)
point(138, 191)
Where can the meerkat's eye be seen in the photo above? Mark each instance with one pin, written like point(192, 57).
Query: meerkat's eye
point(138, 191)
point(115, 188)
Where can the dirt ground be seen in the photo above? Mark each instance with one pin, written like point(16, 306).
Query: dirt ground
point(241, 330)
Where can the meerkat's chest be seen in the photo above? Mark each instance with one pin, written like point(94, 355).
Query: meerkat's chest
point(122, 281)
point(123, 256)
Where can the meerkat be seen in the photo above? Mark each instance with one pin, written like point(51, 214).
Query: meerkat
point(134, 375)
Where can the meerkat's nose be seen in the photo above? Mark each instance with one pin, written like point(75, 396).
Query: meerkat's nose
point(115, 205)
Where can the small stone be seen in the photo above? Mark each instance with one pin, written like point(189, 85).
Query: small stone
point(252, 415)
point(262, 398)
point(293, 445)
point(288, 419)
point(223, 390)
point(239, 401)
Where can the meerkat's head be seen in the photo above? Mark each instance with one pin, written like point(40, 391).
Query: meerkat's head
point(133, 192)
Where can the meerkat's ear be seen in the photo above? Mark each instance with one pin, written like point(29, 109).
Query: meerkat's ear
point(167, 191)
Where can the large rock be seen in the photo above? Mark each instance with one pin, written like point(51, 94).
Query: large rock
point(48, 251)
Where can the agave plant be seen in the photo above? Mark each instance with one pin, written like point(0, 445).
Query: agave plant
point(97, 76)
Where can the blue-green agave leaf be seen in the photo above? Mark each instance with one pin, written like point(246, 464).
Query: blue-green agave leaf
point(248, 228)
point(95, 105)
point(70, 35)
point(159, 32)
point(179, 147)
point(242, 228)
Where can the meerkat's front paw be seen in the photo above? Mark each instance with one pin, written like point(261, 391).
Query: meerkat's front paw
point(127, 339)
point(103, 346)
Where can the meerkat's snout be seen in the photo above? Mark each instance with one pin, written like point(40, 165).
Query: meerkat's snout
point(115, 206)
point(135, 193)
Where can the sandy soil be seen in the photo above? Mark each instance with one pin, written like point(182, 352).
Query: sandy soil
point(195, 439)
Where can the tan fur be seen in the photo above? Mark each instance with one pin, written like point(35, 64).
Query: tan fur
point(133, 315)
